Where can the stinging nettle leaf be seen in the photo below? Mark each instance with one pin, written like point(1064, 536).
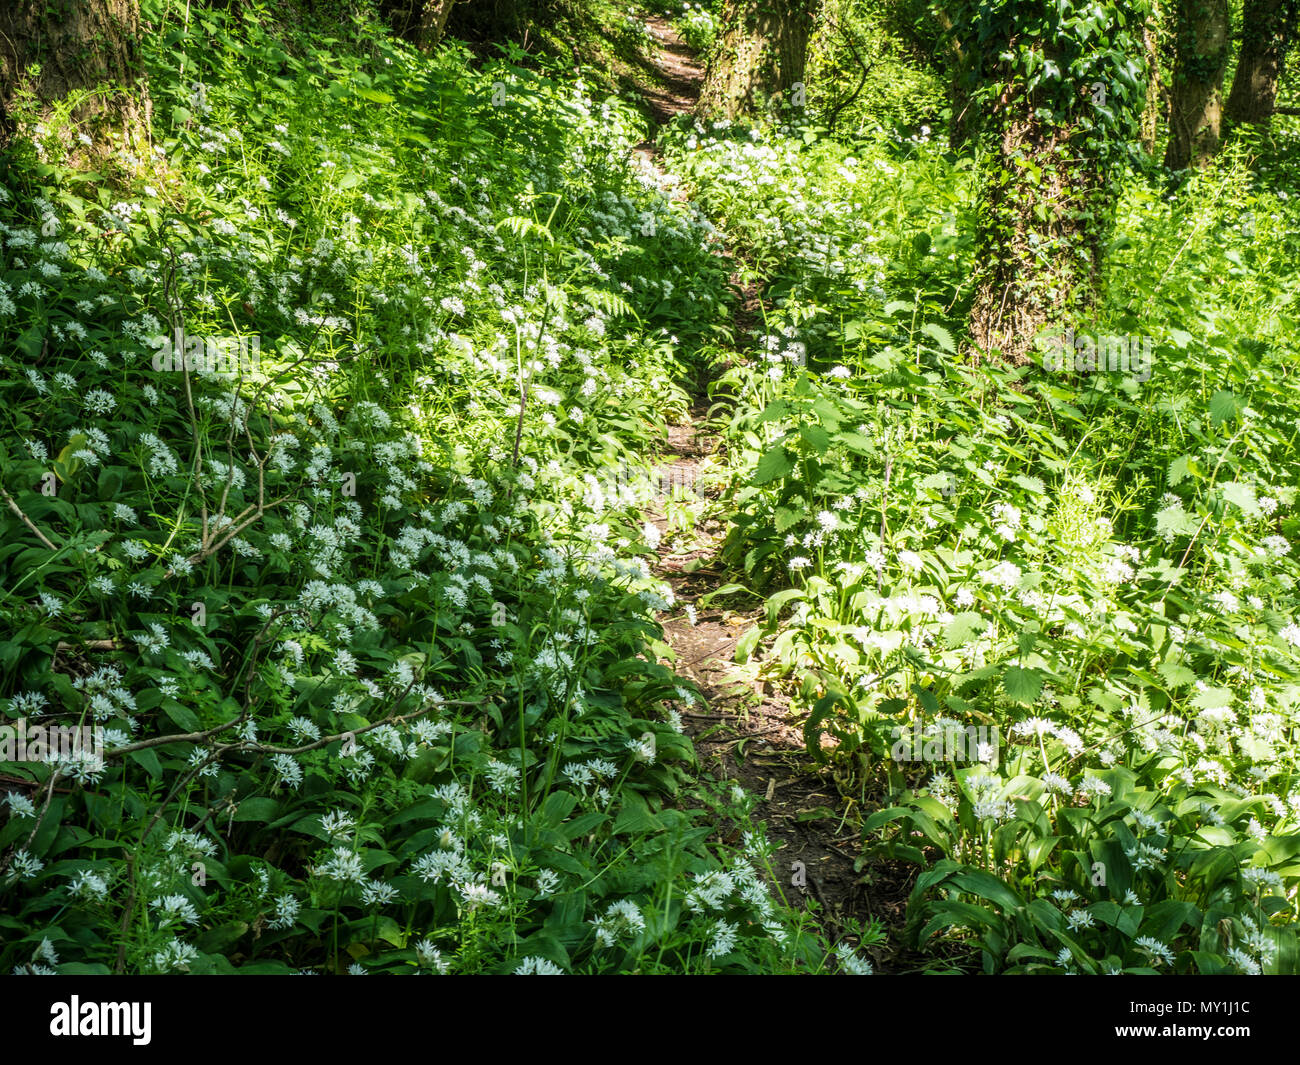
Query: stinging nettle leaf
point(1022, 685)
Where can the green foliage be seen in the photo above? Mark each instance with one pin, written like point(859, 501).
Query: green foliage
point(1096, 558)
point(361, 619)
point(869, 74)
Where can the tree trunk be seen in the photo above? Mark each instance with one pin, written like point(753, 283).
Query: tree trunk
point(762, 50)
point(964, 67)
point(1156, 98)
point(433, 22)
point(1038, 245)
point(1265, 34)
point(1056, 147)
point(1202, 42)
point(76, 45)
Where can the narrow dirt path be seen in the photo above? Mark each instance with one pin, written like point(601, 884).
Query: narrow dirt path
point(678, 69)
point(745, 733)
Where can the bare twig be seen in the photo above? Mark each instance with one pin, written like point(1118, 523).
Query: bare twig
point(26, 520)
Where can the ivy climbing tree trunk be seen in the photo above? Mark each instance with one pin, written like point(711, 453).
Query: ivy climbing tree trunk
point(762, 50)
point(1036, 247)
point(1202, 41)
point(1057, 87)
point(1266, 30)
point(50, 49)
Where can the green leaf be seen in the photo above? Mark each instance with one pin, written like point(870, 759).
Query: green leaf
point(775, 464)
point(1242, 496)
point(1223, 406)
point(746, 644)
point(940, 335)
point(1022, 685)
point(963, 627)
point(1180, 469)
point(258, 808)
point(815, 437)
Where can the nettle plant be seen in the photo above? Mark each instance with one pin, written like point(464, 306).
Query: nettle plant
point(1099, 564)
point(929, 581)
point(377, 675)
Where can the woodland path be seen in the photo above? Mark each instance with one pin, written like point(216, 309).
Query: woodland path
point(746, 733)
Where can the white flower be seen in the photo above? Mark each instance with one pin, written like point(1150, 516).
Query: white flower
point(431, 957)
point(174, 908)
point(378, 893)
point(24, 866)
point(853, 965)
point(286, 912)
point(20, 805)
point(344, 865)
point(476, 895)
point(1090, 786)
point(1157, 951)
point(290, 771)
point(175, 955)
point(534, 966)
point(724, 939)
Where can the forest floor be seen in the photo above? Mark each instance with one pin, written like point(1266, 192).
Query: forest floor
point(747, 732)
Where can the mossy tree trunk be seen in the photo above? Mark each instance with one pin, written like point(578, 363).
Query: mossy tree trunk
point(1055, 100)
point(1202, 42)
point(52, 48)
point(433, 23)
point(1157, 96)
point(761, 51)
point(1266, 29)
point(1040, 231)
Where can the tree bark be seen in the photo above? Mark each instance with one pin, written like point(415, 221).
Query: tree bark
point(1156, 105)
point(1266, 28)
point(433, 22)
point(762, 50)
point(1038, 242)
point(50, 48)
point(1203, 40)
point(964, 66)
